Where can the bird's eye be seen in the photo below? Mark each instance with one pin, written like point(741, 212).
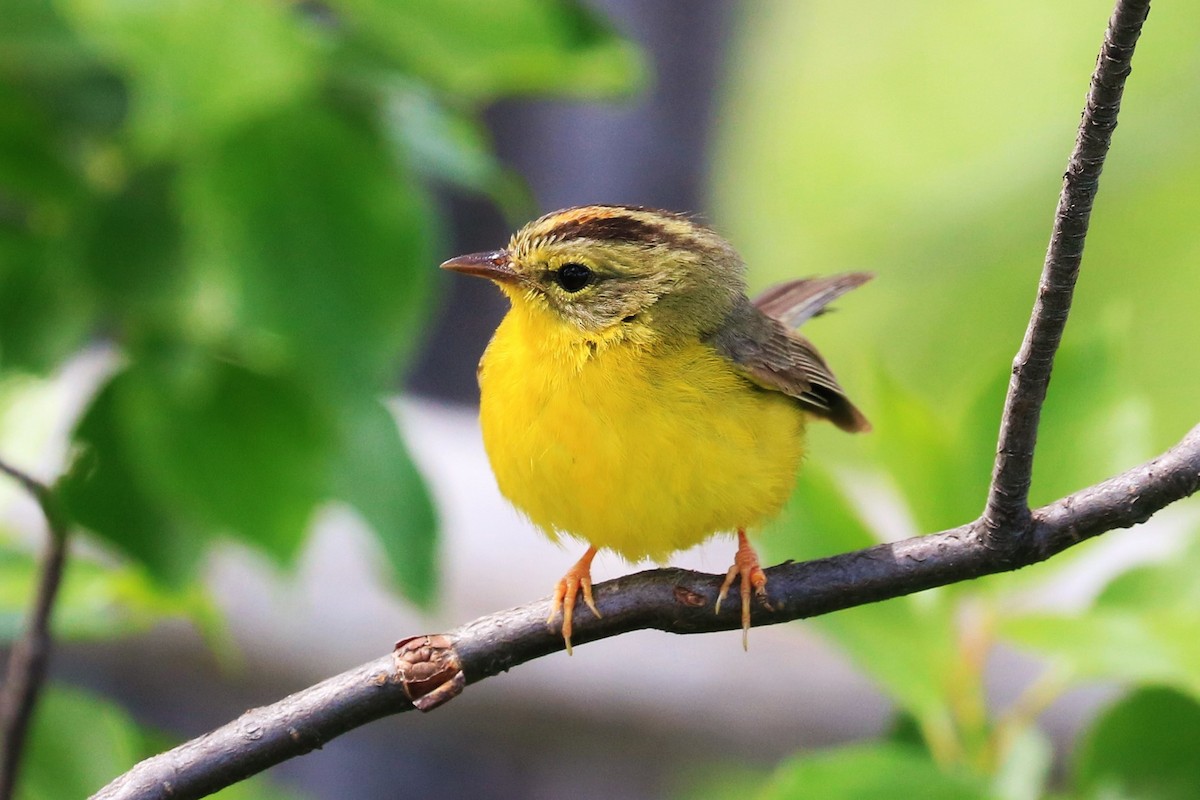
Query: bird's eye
point(573, 277)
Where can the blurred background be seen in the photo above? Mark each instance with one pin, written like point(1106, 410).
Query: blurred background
point(224, 339)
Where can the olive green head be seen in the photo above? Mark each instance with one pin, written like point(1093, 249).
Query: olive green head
point(601, 266)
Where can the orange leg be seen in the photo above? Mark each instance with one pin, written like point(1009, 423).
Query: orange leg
point(577, 579)
point(746, 567)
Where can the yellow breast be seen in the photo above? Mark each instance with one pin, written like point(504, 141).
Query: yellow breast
point(635, 445)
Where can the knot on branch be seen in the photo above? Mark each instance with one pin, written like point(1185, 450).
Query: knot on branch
point(429, 669)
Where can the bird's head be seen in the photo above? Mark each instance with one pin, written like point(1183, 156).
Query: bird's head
point(602, 267)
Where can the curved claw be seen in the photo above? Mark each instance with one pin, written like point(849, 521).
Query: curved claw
point(746, 567)
point(577, 580)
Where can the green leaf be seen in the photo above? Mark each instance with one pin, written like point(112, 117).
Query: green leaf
point(1143, 746)
point(446, 145)
point(482, 50)
point(61, 761)
point(39, 49)
point(45, 309)
point(133, 251)
point(1165, 585)
point(316, 246)
point(220, 446)
point(375, 474)
point(104, 492)
point(867, 772)
point(78, 742)
point(200, 68)
point(1158, 646)
point(238, 449)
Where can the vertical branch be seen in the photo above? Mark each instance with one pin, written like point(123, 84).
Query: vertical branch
point(27, 661)
point(1008, 499)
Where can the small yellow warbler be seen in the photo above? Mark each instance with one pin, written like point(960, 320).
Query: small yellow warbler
point(634, 398)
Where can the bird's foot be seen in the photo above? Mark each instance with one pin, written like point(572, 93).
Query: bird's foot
point(746, 567)
point(577, 580)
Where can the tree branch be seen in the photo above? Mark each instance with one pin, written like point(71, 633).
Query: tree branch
point(1007, 536)
point(27, 661)
point(1007, 507)
point(672, 600)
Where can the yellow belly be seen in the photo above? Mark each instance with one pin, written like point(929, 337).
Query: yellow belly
point(643, 450)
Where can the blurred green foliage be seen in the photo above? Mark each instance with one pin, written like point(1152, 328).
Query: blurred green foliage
point(926, 142)
point(233, 199)
point(78, 742)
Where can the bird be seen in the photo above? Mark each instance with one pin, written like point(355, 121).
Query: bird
point(633, 396)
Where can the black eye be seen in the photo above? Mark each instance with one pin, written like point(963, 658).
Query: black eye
point(573, 277)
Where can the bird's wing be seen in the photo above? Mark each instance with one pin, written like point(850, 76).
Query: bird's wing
point(796, 302)
point(770, 355)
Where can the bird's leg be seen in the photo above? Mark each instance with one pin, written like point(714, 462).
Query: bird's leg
point(578, 578)
point(746, 567)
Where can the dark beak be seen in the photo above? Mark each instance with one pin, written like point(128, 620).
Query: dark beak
point(495, 265)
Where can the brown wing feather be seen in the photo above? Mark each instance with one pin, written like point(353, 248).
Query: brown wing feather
point(795, 302)
point(775, 358)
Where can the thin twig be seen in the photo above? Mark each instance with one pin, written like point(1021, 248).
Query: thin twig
point(27, 661)
point(1008, 499)
point(672, 600)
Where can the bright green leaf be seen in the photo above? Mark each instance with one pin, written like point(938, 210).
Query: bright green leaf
point(482, 50)
point(869, 772)
point(104, 492)
point(376, 475)
point(221, 447)
point(1165, 585)
point(77, 743)
point(1133, 646)
point(235, 449)
point(200, 68)
point(446, 145)
point(320, 244)
point(1144, 746)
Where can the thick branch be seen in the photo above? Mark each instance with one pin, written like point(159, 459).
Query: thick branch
point(1008, 499)
point(27, 661)
point(673, 600)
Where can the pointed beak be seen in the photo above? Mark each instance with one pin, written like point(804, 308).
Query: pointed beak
point(495, 265)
